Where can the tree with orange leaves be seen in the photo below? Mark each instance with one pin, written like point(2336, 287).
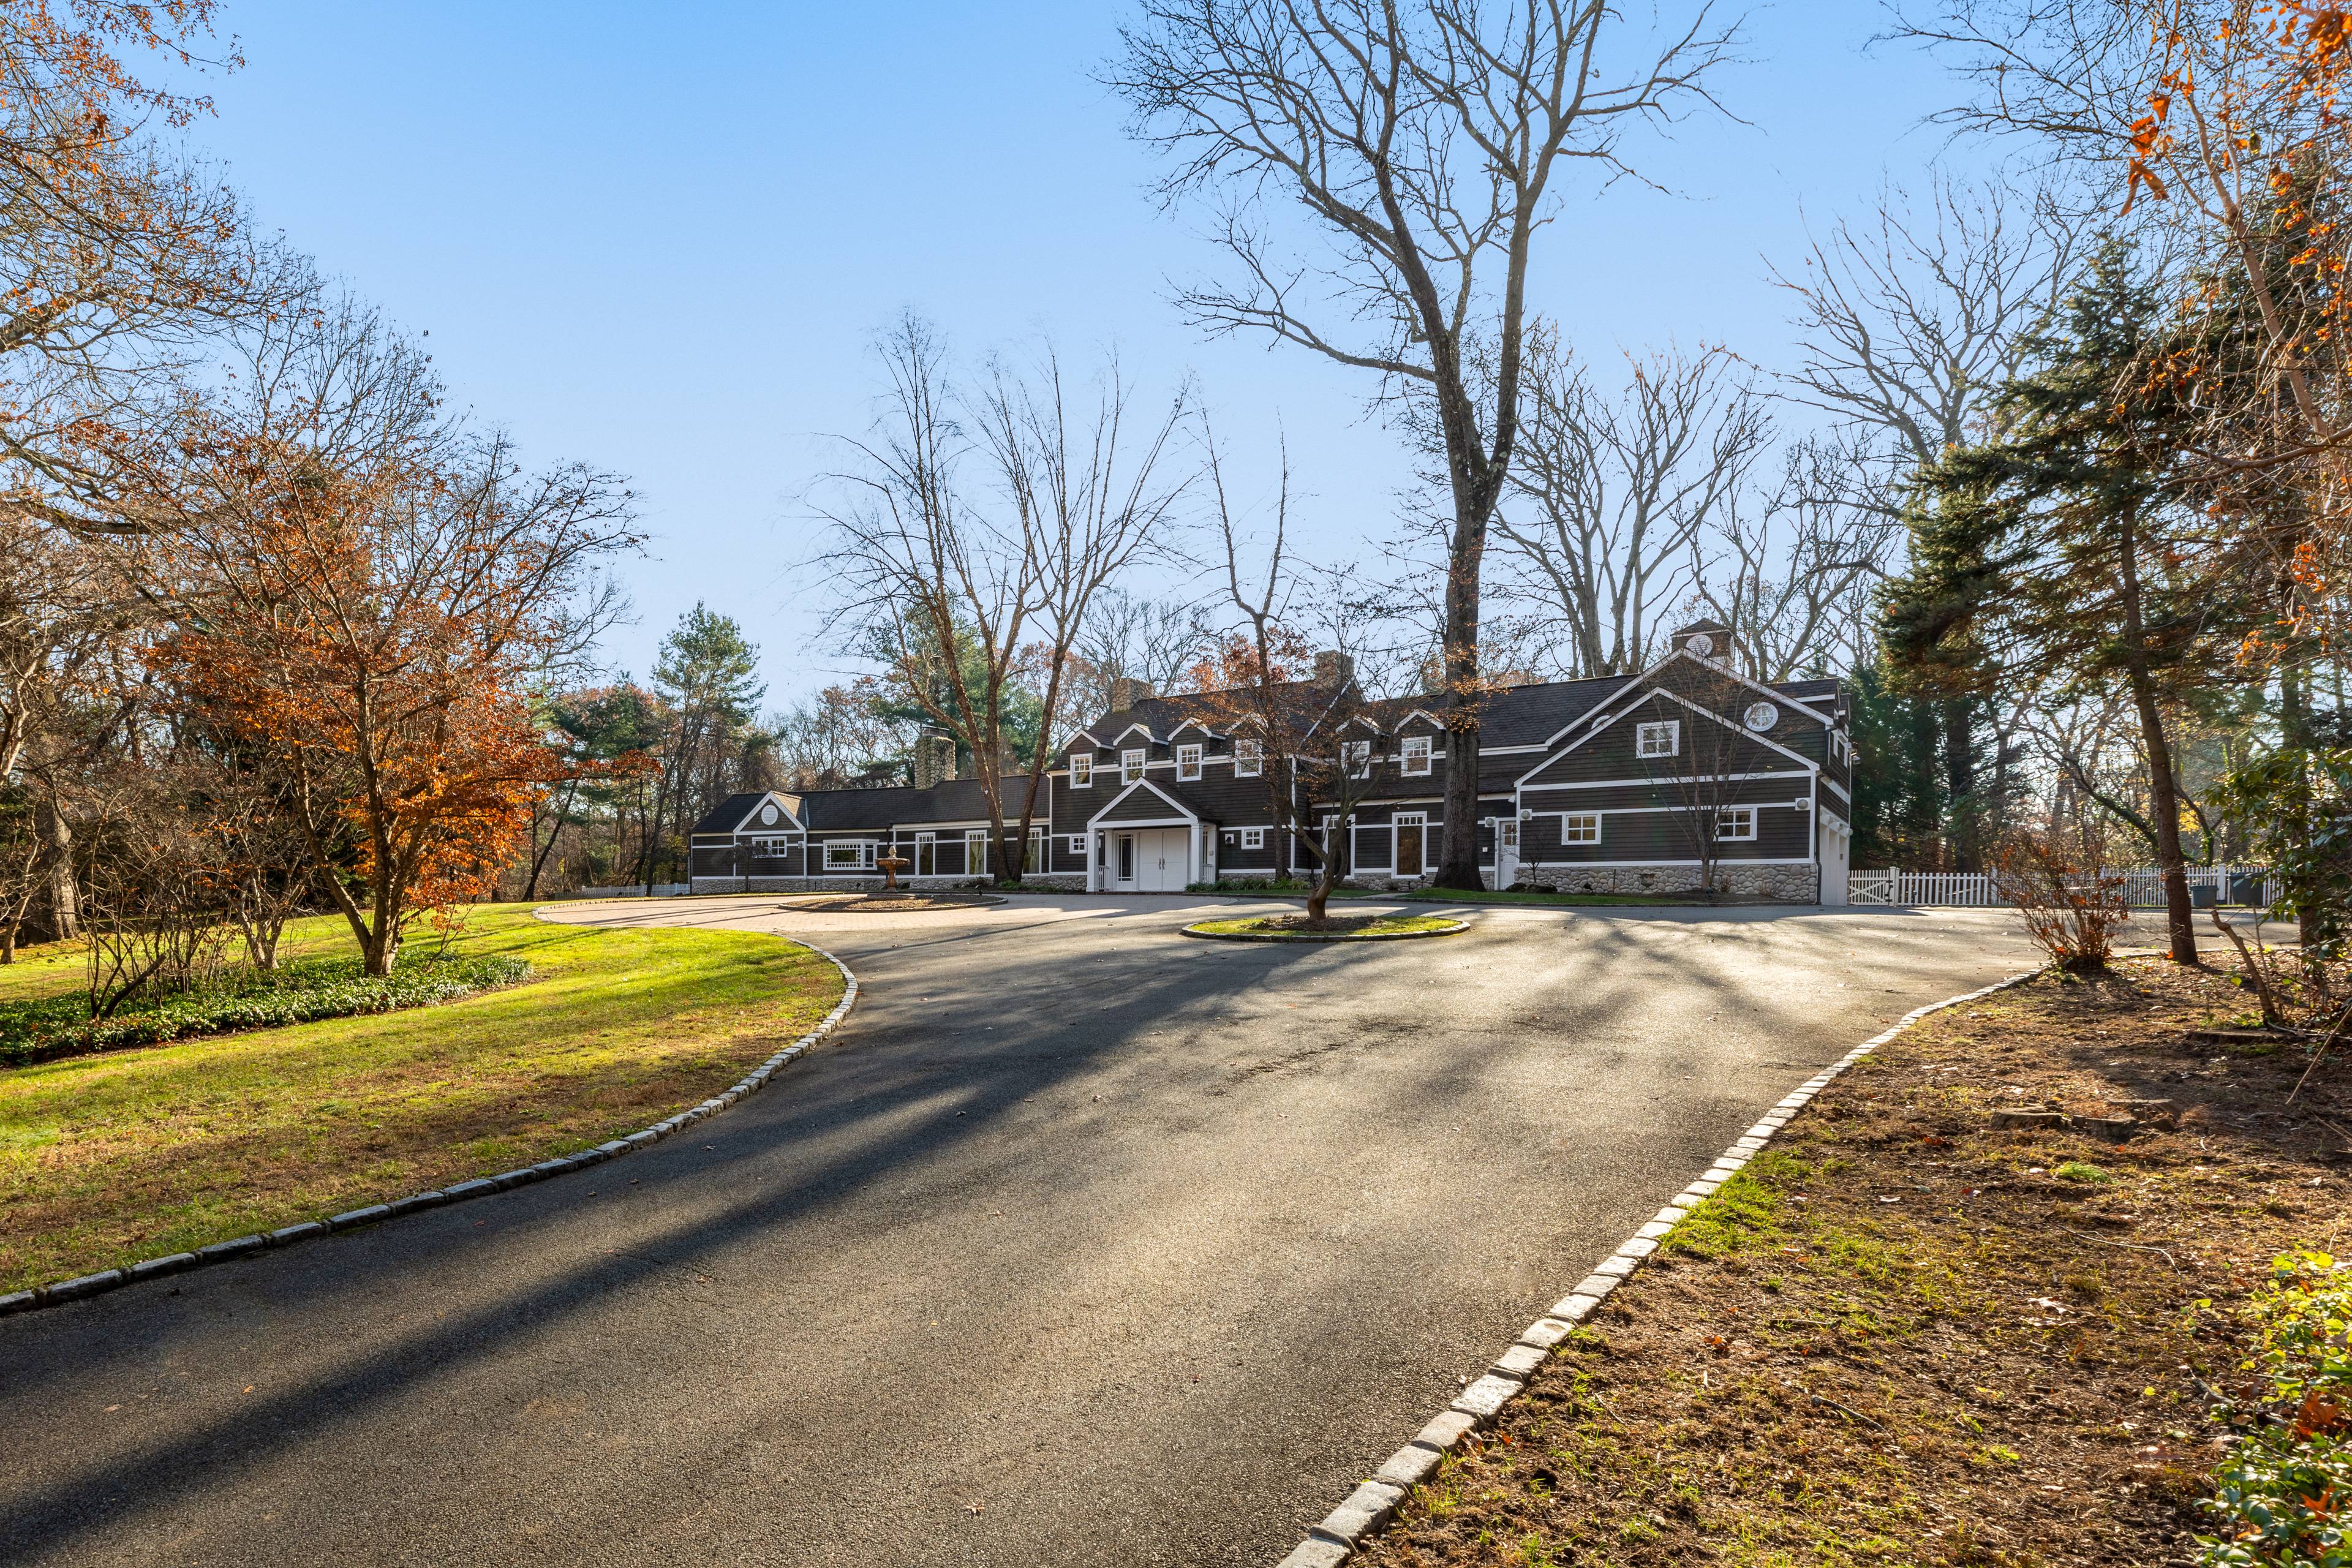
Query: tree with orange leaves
point(369, 600)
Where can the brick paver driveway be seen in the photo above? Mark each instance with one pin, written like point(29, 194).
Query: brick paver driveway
point(1083, 1243)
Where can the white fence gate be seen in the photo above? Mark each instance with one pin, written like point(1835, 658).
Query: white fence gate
point(2143, 889)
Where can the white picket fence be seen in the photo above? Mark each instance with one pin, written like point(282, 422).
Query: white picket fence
point(636, 891)
point(2143, 889)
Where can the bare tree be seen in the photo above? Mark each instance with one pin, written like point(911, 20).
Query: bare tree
point(962, 604)
point(1323, 745)
point(1609, 498)
point(1128, 637)
point(1091, 499)
point(1422, 140)
point(1912, 322)
point(1791, 572)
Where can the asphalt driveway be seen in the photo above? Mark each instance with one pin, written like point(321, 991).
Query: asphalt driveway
point(1081, 1243)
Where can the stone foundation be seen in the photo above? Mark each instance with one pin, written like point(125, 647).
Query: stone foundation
point(871, 882)
point(1758, 884)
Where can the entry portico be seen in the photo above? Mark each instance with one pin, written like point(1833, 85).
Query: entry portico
point(1148, 841)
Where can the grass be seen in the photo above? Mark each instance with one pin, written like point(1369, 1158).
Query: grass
point(1339, 928)
point(39, 1029)
point(107, 1159)
point(1903, 1336)
point(1453, 896)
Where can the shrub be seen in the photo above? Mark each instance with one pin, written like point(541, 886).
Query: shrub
point(46, 1029)
point(2072, 902)
point(2281, 1493)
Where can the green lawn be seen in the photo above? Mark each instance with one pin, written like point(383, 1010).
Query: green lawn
point(105, 1159)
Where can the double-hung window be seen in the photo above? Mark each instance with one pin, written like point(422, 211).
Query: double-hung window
point(1252, 838)
point(1662, 738)
point(1416, 756)
point(1356, 757)
point(1735, 822)
point(1188, 763)
point(975, 852)
point(1082, 770)
point(1130, 765)
point(1580, 828)
point(1249, 758)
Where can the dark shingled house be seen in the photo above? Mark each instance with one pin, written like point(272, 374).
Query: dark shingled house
point(1584, 785)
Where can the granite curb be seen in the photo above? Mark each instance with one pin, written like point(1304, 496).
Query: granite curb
point(1373, 1502)
point(57, 1292)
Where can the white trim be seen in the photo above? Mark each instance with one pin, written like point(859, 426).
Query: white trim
point(1739, 817)
point(1141, 768)
point(1670, 731)
point(1183, 812)
point(1252, 838)
point(1198, 752)
point(1257, 764)
point(1131, 729)
point(1565, 818)
point(1656, 810)
point(1428, 745)
point(1194, 723)
point(751, 825)
point(1709, 778)
point(1088, 782)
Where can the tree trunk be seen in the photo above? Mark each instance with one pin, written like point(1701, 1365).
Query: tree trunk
point(1458, 864)
point(2164, 805)
point(65, 891)
point(1960, 784)
point(2163, 800)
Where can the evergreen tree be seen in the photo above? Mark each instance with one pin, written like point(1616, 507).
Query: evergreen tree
point(2065, 556)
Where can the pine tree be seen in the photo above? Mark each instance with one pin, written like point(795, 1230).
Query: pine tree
point(2066, 556)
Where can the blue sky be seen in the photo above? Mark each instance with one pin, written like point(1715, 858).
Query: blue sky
point(659, 238)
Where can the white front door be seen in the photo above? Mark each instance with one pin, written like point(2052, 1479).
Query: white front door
point(1506, 851)
point(1149, 860)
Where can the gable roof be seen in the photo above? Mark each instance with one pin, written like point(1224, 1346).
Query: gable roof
point(734, 814)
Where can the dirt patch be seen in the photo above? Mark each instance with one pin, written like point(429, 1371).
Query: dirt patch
point(1904, 1336)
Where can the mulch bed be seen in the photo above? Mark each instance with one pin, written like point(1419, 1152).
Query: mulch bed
point(1903, 1336)
point(891, 903)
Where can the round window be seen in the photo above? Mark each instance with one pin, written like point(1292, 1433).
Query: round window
point(1762, 716)
point(1698, 645)
point(767, 814)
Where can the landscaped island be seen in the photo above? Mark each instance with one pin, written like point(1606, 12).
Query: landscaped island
point(107, 1159)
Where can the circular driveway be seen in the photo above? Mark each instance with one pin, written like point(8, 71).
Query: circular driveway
point(1080, 1243)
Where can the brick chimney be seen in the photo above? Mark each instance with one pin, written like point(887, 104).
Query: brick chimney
point(1126, 692)
point(935, 759)
point(1334, 668)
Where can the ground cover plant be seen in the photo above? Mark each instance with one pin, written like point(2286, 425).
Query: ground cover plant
point(48, 1026)
point(1905, 1335)
point(110, 1158)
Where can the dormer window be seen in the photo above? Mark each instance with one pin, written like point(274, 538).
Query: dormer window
point(1416, 756)
point(1356, 757)
point(1131, 764)
point(1082, 770)
point(1188, 763)
point(1249, 758)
